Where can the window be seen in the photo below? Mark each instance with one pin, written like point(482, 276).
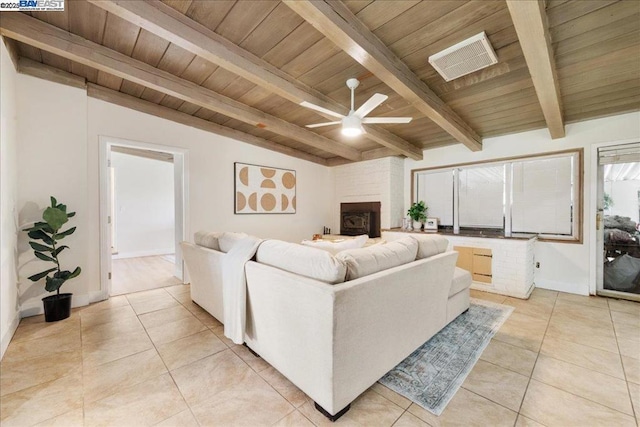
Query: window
point(436, 189)
point(481, 197)
point(531, 195)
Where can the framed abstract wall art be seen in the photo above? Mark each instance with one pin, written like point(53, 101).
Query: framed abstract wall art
point(264, 190)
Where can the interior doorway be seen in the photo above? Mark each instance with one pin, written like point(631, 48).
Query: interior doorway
point(617, 225)
point(143, 215)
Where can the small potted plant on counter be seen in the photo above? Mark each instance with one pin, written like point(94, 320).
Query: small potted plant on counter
point(418, 213)
point(58, 306)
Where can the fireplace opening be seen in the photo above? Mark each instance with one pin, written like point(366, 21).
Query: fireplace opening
point(360, 218)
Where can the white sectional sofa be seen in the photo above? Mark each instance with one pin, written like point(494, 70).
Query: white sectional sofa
point(334, 338)
point(333, 325)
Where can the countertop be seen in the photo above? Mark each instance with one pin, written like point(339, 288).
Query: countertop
point(468, 233)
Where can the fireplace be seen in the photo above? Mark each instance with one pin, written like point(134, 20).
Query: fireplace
point(360, 218)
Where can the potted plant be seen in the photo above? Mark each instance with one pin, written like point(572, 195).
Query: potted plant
point(418, 213)
point(58, 306)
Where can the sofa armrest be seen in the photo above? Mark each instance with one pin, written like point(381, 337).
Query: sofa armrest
point(204, 266)
point(290, 325)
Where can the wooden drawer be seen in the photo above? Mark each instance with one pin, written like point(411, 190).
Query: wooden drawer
point(482, 264)
point(477, 261)
point(481, 278)
point(482, 251)
point(465, 257)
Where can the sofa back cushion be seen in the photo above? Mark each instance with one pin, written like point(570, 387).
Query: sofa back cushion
point(365, 261)
point(430, 245)
point(335, 247)
point(229, 239)
point(302, 260)
point(208, 239)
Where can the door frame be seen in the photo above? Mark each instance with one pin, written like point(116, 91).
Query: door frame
point(181, 202)
point(593, 209)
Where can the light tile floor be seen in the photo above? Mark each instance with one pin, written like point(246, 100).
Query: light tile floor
point(142, 274)
point(156, 358)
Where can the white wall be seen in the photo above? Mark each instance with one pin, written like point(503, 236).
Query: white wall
point(625, 198)
point(52, 161)
point(563, 266)
point(211, 171)
point(9, 316)
point(59, 155)
point(377, 180)
point(144, 208)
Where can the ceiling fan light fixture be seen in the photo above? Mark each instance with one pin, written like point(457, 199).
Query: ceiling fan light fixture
point(351, 131)
point(351, 126)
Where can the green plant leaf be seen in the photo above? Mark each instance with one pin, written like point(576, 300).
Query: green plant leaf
point(62, 207)
point(65, 233)
point(43, 256)
point(41, 226)
point(58, 250)
point(39, 247)
point(64, 274)
point(39, 276)
point(41, 235)
point(71, 214)
point(55, 218)
point(53, 284)
point(75, 273)
point(54, 202)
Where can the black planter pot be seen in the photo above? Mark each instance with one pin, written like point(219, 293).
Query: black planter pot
point(57, 307)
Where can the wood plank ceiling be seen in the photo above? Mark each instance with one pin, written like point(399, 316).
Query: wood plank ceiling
point(595, 43)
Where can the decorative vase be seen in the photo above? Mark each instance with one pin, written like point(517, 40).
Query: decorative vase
point(57, 307)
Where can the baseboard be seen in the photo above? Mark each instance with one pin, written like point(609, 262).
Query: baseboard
point(479, 286)
point(97, 296)
point(138, 254)
point(571, 288)
point(6, 338)
point(34, 308)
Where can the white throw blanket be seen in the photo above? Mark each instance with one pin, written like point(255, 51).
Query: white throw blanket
point(234, 291)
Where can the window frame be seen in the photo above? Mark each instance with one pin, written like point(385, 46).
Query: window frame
point(578, 187)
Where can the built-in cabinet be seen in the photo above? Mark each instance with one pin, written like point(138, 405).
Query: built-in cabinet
point(497, 264)
point(477, 261)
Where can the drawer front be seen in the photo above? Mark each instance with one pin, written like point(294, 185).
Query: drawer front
point(465, 257)
point(481, 278)
point(482, 264)
point(482, 251)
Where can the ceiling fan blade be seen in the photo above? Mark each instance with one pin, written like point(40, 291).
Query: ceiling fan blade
point(387, 119)
point(321, 109)
point(317, 125)
point(371, 103)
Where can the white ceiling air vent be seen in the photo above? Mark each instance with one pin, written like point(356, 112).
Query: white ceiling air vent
point(472, 54)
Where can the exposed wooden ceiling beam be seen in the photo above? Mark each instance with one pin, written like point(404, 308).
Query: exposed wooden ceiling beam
point(167, 113)
point(12, 48)
point(342, 27)
point(46, 72)
point(530, 21)
point(37, 33)
point(166, 22)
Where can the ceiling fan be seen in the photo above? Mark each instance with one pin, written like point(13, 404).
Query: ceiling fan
point(352, 123)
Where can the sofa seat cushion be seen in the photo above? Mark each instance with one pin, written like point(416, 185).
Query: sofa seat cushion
point(430, 245)
point(208, 239)
point(335, 247)
point(302, 260)
point(365, 261)
point(461, 281)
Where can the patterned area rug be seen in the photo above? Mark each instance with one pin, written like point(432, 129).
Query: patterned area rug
point(432, 374)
